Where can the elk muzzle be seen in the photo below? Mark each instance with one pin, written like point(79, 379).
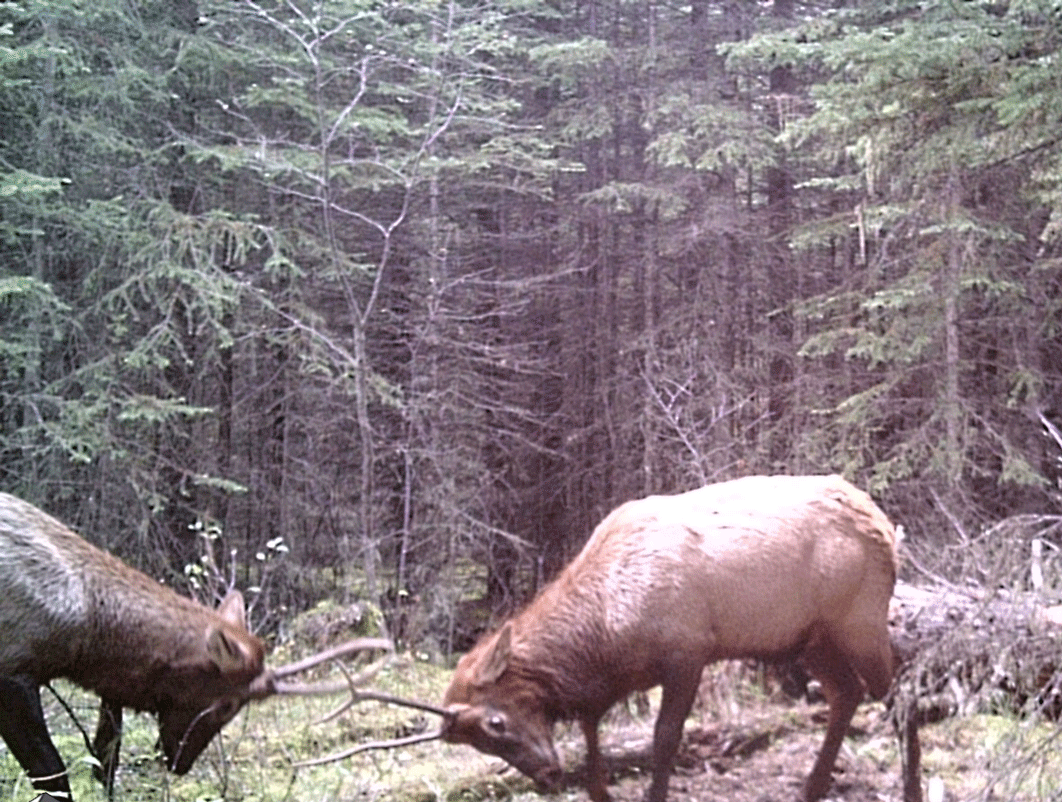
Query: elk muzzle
point(523, 741)
point(186, 731)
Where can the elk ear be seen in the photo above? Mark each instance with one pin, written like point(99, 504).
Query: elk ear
point(232, 609)
point(498, 659)
point(226, 652)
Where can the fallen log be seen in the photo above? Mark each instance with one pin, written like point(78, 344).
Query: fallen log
point(965, 649)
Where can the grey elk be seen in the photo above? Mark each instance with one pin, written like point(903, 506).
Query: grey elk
point(69, 609)
point(769, 567)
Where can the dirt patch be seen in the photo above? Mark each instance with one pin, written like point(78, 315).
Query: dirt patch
point(763, 758)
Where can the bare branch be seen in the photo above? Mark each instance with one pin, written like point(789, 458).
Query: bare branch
point(1050, 428)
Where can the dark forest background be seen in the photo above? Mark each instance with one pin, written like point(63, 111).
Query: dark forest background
point(390, 302)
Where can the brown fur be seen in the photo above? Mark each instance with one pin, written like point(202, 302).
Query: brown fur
point(757, 567)
point(71, 610)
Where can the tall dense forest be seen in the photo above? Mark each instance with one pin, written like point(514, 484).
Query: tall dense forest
point(390, 302)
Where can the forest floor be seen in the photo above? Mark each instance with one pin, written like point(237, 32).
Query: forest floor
point(763, 754)
point(742, 744)
point(763, 757)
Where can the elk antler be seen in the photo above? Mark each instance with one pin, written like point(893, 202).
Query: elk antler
point(271, 682)
point(342, 650)
point(377, 696)
point(357, 695)
point(389, 744)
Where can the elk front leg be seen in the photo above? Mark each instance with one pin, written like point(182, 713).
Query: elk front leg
point(595, 768)
point(107, 744)
point(680, 689)
point(23, 729)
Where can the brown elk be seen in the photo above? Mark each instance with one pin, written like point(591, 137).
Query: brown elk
point(71, 610)
point(766, 567)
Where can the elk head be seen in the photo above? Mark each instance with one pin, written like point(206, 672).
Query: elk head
point(198, 698)
point(493, 709)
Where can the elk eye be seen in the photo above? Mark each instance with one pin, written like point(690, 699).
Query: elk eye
point(496, 724)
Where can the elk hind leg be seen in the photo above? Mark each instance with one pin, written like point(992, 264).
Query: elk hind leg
point(871, 653)
point(843, 691)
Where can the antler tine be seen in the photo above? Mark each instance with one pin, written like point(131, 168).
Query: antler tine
point(377, 696)
point(342, 650)
point(394, 742)
point(352, 683)
point(307, 689)
point(387, 698)
point(357, 695)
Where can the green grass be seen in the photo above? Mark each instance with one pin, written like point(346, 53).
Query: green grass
point(977, 756)
point(985, 756)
